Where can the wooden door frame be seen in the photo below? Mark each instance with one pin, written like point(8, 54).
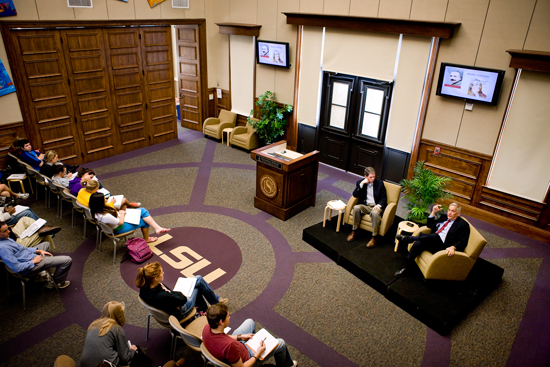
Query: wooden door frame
point(8, 27)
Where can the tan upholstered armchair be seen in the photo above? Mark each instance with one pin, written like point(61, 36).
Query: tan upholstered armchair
point(214, 126)
point(245, 137)
point(392, 192)
point(457, 267)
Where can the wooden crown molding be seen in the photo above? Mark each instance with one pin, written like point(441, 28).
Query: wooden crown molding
point(240, 29)
point(530, 60)
point(384, 25)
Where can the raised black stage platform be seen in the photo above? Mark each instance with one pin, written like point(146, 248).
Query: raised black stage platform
point(438, 304)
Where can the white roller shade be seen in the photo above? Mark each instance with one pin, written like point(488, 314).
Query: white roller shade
point(242, 74)
point(521, 167)
point(310, 74)
point(407, 92)
point(371, 55)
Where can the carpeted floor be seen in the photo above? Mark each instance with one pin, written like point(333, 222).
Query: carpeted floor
point(204, 190)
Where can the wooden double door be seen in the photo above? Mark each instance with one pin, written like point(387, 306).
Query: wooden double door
point(95, 92)
point(354, 114)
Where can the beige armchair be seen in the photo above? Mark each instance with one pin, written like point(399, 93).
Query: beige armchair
point(245, 137)
point(214, 126)
point(392, 192)
point(457, 267)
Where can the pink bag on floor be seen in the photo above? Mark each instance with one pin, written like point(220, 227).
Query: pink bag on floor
point(138, 250)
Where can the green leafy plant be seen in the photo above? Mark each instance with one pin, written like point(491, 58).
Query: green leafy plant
point(271, 118)
point(422, 191)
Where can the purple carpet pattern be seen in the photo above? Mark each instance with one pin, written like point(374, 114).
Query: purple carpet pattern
point(215, 251)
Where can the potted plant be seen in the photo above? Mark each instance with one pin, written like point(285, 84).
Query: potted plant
point(270, 122)
point(422, 191)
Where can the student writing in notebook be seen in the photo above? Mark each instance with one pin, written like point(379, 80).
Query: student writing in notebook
point(115, 218)
point(232, 348)
point(155, 293)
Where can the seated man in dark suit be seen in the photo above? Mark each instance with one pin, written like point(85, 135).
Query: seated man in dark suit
point(449, 233)
point(372, 196)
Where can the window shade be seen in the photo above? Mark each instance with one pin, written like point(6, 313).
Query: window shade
point(371, 55)
point(242, 74)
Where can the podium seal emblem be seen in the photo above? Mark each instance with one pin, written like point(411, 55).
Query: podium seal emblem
point(268, 186)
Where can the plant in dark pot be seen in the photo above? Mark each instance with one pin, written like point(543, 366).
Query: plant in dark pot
point(422, 191)
point(270, 120)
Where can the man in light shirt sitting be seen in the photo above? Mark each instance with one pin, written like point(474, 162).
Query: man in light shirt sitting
point(29, 261)
point(449, 233)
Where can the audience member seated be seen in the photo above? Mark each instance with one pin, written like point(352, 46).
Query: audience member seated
point(106, 340)
point(42, 235)
point(7, 192)
point(104, 213)
point(7, 214)
point(60, 175)
point(153, 292)
point(91, 186)
point(27, 154)
point(51, 160)
point(232, 349)
point(29, 261)
point(84, 174)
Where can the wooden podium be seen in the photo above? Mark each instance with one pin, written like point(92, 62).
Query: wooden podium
point(286, 181)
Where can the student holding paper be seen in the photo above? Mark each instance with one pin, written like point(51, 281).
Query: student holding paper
point(103, 212)
point(155, 293)
point(233, 349)
point(30, 261)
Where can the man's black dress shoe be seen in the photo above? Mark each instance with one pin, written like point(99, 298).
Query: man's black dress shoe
point(402, 238)
point(45, 231)
point(401, 272)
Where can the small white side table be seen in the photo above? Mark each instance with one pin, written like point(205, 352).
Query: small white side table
point(227, 130)
point(406, 227)
point(331, 205)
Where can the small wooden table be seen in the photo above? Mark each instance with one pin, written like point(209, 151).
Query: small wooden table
point(404, 227)
point(227, 130)
point(329, 207)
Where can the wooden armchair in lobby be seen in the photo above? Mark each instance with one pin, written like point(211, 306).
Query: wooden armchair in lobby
point(214, 126)
point(245, 137)
point(392, 192)
point(457, 267)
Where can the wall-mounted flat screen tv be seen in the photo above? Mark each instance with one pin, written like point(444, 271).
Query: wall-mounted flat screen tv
point(470, 83)
point(273, 53)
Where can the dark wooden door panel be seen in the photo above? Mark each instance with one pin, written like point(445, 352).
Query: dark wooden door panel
point(187, 41)
point(87, 68)
point(365, 155)
point(123, 56)
point(48, 97)
point(334, 150)
point(159, 83)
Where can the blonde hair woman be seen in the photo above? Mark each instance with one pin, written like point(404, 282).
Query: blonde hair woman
point(51, 159)
point(106, 340)
point(155, 293)
point(91, 186)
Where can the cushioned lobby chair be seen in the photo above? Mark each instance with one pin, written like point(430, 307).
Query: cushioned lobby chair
point(457, 267)
point(245, 137)
point(214, 126)
point(392, 192)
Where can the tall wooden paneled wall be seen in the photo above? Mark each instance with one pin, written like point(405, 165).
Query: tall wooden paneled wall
point(91, 90)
